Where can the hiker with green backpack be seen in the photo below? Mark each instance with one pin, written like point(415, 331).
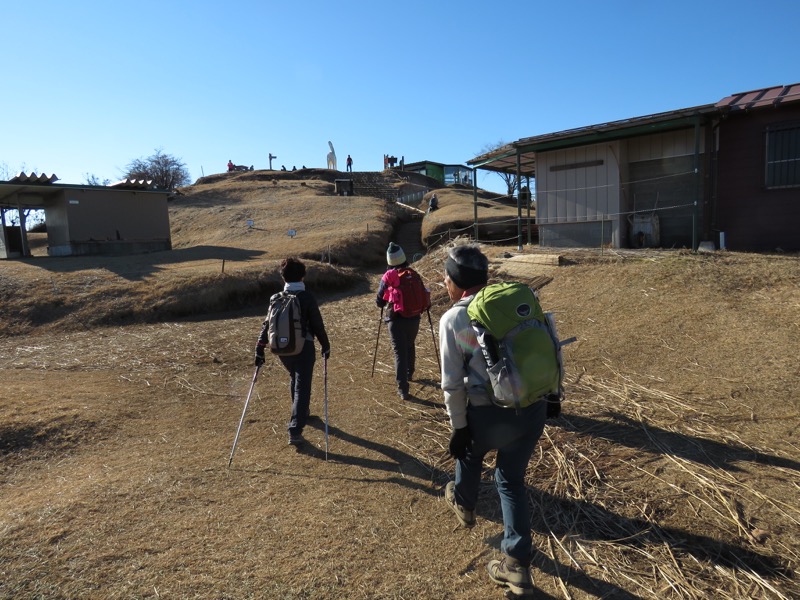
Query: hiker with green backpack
point(502, 410)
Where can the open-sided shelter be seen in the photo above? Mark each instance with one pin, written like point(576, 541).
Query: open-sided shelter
point(128, 217)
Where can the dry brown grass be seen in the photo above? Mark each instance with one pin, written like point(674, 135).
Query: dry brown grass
point(456, 217)
point(673, 473)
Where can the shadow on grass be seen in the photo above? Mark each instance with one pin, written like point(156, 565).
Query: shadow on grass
point(634, 434)
point(395, 461)
point(139, 266)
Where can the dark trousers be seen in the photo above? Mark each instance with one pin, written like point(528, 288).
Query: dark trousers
point(403, 332)
point(301, 372)
point(514, 435)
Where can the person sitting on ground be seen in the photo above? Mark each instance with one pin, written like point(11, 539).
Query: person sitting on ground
point(433, 203)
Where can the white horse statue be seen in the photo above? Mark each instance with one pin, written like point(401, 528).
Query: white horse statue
point(331, 157)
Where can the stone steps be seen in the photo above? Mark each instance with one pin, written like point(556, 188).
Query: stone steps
point(409, 237)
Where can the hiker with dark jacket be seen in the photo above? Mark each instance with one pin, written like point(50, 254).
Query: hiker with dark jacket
point(479, 426)
point(300, 366)
point(402, 330)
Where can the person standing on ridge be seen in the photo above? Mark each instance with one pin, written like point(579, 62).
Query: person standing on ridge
point(479, 426)
point(349, 164)
point(300, 366)
point(402, 290)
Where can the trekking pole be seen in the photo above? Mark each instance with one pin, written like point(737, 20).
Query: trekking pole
point(241, 421)
point(325, 388)
point(377, 339)
point(433, 337)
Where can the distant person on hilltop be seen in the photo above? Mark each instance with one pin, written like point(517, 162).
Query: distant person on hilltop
point(231, 166)
point(349, 163)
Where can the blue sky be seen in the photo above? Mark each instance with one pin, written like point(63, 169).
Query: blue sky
point(91, 85)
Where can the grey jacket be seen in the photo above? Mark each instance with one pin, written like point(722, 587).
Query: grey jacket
point(464, 377)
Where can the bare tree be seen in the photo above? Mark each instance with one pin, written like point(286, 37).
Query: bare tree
point(92, 179)
point(19, 216)
point(165, 171)
point(510, 179)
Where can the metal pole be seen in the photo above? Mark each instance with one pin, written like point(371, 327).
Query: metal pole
point(241, 421)
point(475, 200)
point(377, 339)
point(433, 337)
point(530, 201)
point(519, 202)
point(325, 387)
point(695, 210)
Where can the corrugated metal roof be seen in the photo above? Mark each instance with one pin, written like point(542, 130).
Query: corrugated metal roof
point(33, 178)
point(763, 98)
point(137, 184)
point(504, 159)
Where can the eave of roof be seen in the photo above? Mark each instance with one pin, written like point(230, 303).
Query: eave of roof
point(422, 163)
point(37, 192)
point(763, 98)
point(504, 159)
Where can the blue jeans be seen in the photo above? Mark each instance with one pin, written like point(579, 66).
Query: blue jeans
point(301, 371)
point(514, 436)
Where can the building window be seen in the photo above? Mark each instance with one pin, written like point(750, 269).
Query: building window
point(783, 157)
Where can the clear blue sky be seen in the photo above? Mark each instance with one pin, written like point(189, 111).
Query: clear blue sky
point(91, 85)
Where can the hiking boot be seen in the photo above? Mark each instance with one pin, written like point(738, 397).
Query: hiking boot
point(513, 575)
point(464, 516)
point(403, 395)
point(296, 439)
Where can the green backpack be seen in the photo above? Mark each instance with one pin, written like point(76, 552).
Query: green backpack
point(521, 346)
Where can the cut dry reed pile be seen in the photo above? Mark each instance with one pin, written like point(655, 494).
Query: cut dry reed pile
point(699, 532)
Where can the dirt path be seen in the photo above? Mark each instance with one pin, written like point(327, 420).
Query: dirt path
point(409, 237)
point(147, 433)
point(671, 463)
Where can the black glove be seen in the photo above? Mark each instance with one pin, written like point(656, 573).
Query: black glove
point(259, 355)
point(460, 442)
point(326, 353)
point(553, 406)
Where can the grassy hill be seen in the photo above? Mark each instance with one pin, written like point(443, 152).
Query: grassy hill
point(673, 471)
point(229, 232)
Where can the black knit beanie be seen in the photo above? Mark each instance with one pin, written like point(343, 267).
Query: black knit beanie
point(467, 267)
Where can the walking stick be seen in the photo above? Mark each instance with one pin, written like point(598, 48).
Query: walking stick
point(241, 421)
point(377, 339)
point(325, 388)
point(433, 337)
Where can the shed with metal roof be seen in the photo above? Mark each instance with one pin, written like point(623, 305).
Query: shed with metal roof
point(128, 217)
point(727, 172)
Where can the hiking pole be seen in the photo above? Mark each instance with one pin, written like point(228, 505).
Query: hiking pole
point(325, 388)
point(241, 421)
point(433, 337)
point(377, 339)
